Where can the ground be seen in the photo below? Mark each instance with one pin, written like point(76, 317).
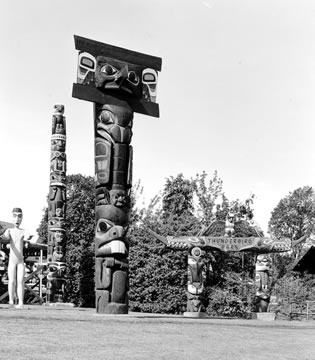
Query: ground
point(41, 332)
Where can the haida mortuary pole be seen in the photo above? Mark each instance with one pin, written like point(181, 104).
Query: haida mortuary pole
point(57, 209)
point(119, 82)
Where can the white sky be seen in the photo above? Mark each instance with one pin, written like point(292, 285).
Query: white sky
point(236, 94)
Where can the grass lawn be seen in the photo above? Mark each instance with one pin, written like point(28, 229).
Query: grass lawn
point(40, 332)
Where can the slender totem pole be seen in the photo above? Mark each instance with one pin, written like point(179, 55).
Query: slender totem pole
point(263, 279)
point(57, 208)
point(118, 82)
point(196, 282)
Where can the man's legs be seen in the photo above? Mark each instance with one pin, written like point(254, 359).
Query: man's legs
point(20, 282)
point(12, 282)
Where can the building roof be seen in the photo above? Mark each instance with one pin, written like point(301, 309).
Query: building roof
point(6, 225)
point(307, 262)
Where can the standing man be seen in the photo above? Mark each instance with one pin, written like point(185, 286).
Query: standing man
point(16, 268)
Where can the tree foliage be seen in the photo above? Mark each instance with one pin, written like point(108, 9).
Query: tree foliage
point(178, 197)
point(294, 216)
point(158, 275)
point(208, 193)
point(42, 229)
point(79, 239)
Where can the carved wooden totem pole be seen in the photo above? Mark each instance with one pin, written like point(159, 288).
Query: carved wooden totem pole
point(263, 281)
point(196, 282)
point(57, 208)
point(118, 82)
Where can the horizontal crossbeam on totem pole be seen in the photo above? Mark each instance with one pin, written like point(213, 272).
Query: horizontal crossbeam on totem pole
point(92, 94)
point(97, 48)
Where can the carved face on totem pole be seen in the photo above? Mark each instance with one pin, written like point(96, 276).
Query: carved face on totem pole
point(112, 121)
point(56, 270)
point(111, 74)
point(57, 207)
point(111, 228)
point(58, 147)
point(106, 73)
point(263, 281)
point(263, 262)
point(115, 75)
point(58, 144)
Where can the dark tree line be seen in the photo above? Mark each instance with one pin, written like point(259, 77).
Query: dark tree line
point(158, 275)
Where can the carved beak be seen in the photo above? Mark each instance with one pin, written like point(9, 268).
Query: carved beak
point(158, 237)
point(121, 75)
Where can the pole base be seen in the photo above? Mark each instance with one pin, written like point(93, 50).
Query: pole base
point(197, 315)
point(60, 305)
point(264, 316)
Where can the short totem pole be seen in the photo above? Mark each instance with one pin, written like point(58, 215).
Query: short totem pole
point(263, 279)
point(119, 82)
point(57, 209)
point(196, 282)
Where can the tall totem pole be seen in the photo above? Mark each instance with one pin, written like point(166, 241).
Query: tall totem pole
point(119, 82)
point(57, 208)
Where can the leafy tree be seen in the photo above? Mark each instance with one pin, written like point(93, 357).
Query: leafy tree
point(294, 287)
point(79, 239)
point(232, 298)
point(230, 287)
point(158, 275)
point(208, 195)
point(42, 229)
point(294, 216)
point(178, 197)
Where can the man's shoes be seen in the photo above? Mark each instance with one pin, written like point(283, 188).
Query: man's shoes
point(11, 306)
point(20, 306)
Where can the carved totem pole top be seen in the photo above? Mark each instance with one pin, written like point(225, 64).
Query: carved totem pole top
point(108, 74)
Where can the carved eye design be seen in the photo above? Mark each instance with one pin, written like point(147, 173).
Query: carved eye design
point(108, 70)
point(133, 78)
point(106, 118)
point(103, 226)
point(52, 268)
